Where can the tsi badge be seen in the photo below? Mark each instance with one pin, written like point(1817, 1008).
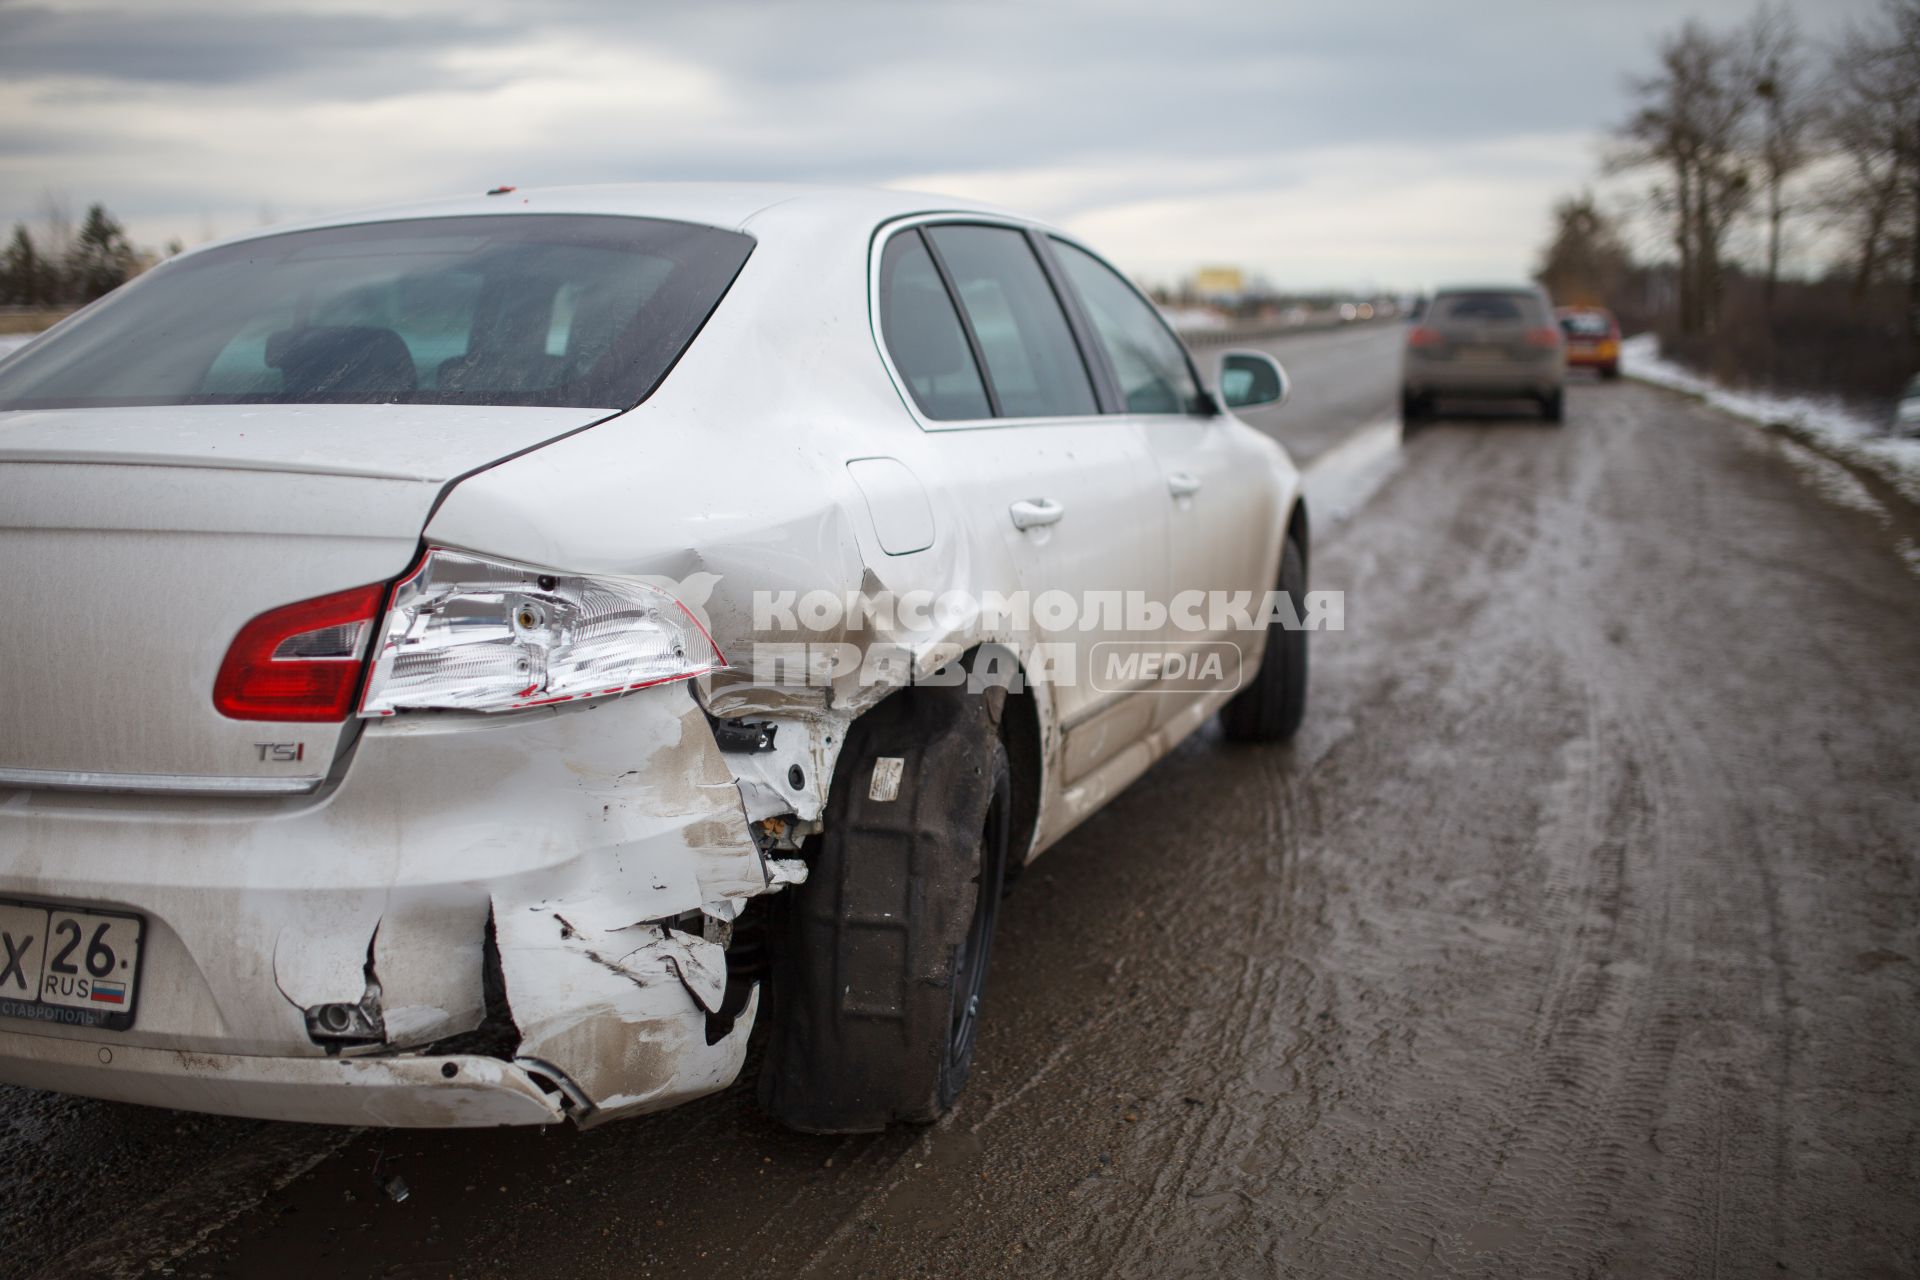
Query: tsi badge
point(280, 752)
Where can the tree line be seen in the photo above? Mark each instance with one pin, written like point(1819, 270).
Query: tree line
point(1748, 138)
point(62, 267)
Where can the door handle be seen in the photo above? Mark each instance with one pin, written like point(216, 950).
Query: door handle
point(1031, 513)
point(1183, 484)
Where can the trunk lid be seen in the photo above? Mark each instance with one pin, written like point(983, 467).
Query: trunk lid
point(135, 542)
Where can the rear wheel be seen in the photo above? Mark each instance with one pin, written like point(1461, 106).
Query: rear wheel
point(1553, 407)
point(1608, 372)
point(1271, 707)
point(881, 956)
point(1414, 410)
point(970, 959)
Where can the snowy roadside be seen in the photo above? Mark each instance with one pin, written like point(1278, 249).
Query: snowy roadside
point(12, 342)
point(1819, 423)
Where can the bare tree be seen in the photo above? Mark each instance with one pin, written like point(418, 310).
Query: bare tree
point(55, 216)
point(1689, 123)
point(1873, 119)
point(1585, 262)
point(1777, 70)
point(1860, 124)
point(1901, 63)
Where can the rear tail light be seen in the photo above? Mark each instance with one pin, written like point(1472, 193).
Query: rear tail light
point(1545, 336)
point(465, 632)
point(299, 663)
point(1423, 337)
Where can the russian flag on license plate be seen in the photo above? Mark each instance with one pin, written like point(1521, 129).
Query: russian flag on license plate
point(109, 992)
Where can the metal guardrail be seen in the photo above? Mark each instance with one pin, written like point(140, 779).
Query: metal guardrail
point(1270, 330)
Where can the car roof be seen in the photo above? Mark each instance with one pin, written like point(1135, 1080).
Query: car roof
point(734, 206)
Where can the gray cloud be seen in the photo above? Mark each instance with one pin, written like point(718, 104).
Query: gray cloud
point(1209, 96)
point(152, 44)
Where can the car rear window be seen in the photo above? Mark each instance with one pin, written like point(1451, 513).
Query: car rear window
point(1585, 324)
point(1486, 308)
point(555, 310)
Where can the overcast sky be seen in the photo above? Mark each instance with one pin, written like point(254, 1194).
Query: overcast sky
point(1321, 142)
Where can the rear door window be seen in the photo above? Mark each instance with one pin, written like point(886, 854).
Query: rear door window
point(1148, 361)
point(923, 334)
point(1034, 366)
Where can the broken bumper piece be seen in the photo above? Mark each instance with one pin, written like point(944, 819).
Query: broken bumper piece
point(484, 924)
point(461, 1091)
point(636, 1048)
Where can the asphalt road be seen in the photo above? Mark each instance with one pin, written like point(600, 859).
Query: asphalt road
point(1575, 935)
point(1343, 380)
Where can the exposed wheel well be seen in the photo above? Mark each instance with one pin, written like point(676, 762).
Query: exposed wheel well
point(1017, 717)
point(1020, 731)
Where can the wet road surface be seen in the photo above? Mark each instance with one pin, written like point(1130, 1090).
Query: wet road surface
point(1343, 380)
point(1575, 935)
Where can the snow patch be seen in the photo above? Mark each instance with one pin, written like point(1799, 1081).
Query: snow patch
point(1832, 481)
point(1821, 421)
point(1339, 482)
point(12, 342)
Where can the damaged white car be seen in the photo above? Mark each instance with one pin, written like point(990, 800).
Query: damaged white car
point(467, 664)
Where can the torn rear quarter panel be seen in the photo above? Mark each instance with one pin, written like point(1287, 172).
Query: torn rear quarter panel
point(604, 992)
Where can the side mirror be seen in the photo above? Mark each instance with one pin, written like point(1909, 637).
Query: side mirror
point(1252, 378)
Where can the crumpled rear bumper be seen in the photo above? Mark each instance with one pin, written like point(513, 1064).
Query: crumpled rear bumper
point(461, 1091)
point(665, 1061)
point(536, 912)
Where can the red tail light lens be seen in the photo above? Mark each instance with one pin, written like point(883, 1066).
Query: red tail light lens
point(1545, 336)
point(1423, 337)
point(302, 662)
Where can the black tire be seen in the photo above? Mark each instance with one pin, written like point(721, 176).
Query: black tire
point(881, 956)
point(1608, 372)
point(1414, 410)
point(1270, 708)
point(1554, 407)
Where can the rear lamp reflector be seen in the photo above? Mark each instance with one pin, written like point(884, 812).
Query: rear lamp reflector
point(301, 662)
point(466, 632)
point(1547, 336)
point(1423, 337)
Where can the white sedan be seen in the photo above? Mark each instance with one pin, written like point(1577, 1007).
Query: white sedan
point(468, 662)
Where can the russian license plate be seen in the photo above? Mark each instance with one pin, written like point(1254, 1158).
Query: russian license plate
point(73, 965)
point(1483, 355)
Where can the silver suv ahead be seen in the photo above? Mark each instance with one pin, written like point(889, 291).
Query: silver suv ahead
point(1481, 343)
